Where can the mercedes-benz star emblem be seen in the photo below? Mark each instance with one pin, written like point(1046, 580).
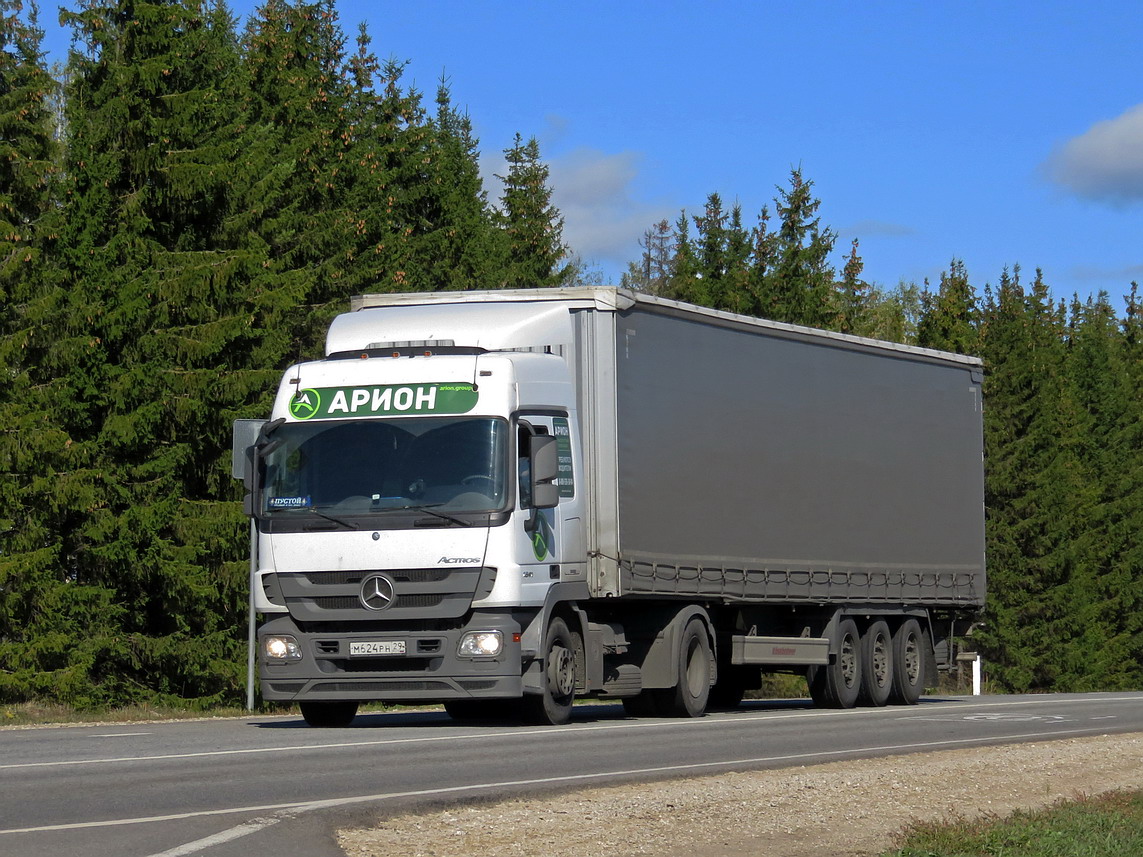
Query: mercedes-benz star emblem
point(377, 592)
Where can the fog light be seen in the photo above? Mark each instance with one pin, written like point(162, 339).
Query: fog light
point(282, 648)
point(481, 644)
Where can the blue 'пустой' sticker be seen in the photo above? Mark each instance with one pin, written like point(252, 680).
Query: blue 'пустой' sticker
point(288, 503)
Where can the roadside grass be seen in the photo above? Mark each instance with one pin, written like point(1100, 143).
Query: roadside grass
point(1106, 825)
point(54, 714)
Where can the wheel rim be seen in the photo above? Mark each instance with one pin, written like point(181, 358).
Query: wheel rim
point(881, 661)
point(847, 661)
point(561, 671)
point(912, 659)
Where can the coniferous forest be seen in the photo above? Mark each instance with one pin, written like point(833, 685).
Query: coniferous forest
point(186, 204)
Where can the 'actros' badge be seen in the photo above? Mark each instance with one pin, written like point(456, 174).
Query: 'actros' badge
point(377, 592)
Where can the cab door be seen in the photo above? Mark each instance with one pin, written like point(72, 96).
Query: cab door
point(550, 542)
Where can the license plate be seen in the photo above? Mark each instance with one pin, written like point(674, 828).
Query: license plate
point(377, 647)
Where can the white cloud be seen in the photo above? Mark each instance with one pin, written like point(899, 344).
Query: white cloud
point(603, 220)
point(1104, 163)
point(593, 191)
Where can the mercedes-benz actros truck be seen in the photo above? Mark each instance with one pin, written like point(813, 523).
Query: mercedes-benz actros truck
point(505, 501)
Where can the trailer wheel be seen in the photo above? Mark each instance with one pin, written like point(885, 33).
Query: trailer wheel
point(837, 684)
point(908, 663)
point(876, 664)
point(690, 695)
point(554, 705)
point(329, 715)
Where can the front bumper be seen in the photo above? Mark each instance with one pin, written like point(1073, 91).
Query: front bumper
point(429, 671)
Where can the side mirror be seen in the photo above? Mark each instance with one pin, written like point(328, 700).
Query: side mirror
point(246, 434)
point(545, 467)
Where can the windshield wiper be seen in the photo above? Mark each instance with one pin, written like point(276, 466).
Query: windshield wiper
point(429, 508)
point(349, 524)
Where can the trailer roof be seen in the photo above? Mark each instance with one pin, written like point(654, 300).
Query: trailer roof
point(611, 298)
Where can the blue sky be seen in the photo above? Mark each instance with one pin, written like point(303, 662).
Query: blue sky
point(996, 133)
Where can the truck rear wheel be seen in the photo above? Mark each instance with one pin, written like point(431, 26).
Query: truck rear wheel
point(329, 715)
point(908, 663)
point(838, 683)
point(876, 664)
point(554, 705)
point(692, 692)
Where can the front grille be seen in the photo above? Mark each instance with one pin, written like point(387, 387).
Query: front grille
point(420, 594)
point(410, 575)
point(352, 602)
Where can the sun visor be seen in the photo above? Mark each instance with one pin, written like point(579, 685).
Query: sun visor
point(492, 327)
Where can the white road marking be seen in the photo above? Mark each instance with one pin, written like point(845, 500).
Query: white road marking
point(514, 735)
point(244, 829)
point(998, 717)
point(665, 770)
point(120, 734)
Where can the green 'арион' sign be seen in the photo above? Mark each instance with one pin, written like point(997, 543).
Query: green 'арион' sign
point(329, 403)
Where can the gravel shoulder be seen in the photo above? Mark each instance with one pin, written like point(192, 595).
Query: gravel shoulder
point(840, 809)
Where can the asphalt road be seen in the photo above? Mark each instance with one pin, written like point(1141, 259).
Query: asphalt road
point(263, 785)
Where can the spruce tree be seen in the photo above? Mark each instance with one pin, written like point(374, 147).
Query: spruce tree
point(462, 250)
point(41, 623)
point(854, 295)
point(736, 295)
point(1104, 593)
point(685, 283)
point(892, 315)
point(532, 226)
point(652, 272)
point(800, 282)
point(294, 165)
point(1125, 506)
point(1030, 483)
point(949, 318)
point(138, 346)
point(710, 244)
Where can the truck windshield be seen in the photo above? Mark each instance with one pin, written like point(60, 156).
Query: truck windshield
point(365, 467)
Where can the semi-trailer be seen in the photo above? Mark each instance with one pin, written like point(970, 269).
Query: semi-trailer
point(504, 501)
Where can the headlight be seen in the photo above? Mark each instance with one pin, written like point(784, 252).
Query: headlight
point(282, 648)
point(481, 644)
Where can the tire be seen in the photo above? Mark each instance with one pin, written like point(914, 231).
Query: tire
point(329, 715)
point(876, 665)
point(561, 661)
point(909, 677)
point(838, 684)
point(691, 693)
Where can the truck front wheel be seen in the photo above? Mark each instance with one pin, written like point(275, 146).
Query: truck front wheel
point(690, 696)
point(554, 705)
point(329, 715)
